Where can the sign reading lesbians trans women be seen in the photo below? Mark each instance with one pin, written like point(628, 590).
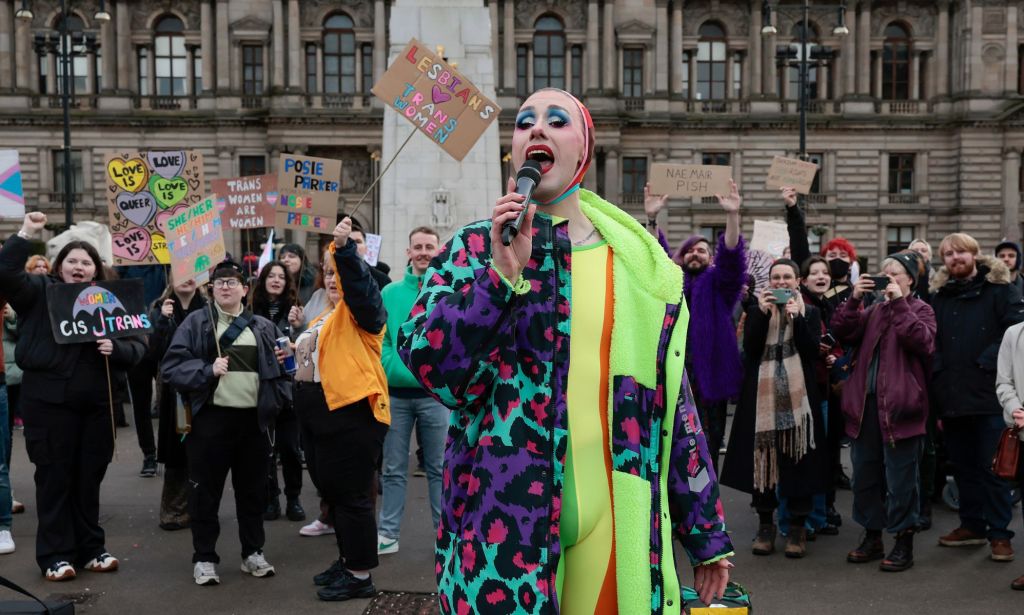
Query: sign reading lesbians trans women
point(195, 240)
point(439, 101)
point(144, 191)
point(308, 191)
point(98, 310)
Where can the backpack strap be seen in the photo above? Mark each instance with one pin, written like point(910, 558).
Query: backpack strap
point(21, 590)
point(235, 329)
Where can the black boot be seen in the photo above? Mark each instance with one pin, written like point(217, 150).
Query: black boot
point(870, 548)
point(902, 555)
point(294, 510)
point(273, 511)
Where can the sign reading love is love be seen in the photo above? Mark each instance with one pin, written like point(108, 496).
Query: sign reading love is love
point(439, 100)
point(144, 190)
point(195, 240)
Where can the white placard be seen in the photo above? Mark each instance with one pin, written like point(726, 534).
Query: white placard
point(372, 249)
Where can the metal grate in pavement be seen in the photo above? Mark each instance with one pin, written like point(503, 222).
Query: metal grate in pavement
point(403, 603)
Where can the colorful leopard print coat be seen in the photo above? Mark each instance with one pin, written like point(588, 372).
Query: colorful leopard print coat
point(500, 360)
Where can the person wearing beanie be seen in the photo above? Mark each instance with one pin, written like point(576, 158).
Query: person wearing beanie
point(712, 292)
point(885, 407)
point(1009, 253)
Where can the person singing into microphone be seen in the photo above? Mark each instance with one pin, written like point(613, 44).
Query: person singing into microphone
point(574, 452)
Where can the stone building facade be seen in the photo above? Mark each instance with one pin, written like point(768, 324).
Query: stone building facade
point(916, 116)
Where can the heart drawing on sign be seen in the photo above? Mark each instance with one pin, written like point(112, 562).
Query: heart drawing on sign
point(160, 249)
point(167, 164)
point(168, 192)
point(130, 175)
point(138, 208)
point(193, 184)
point(132, 245)
point(438, 96)
point(164, 216)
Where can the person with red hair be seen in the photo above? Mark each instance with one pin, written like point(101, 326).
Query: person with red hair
point(840, 254)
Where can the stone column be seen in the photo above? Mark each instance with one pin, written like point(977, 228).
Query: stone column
point(380, 42)
point(492, 14)
point(976, 74)
point(109, 46)
point(207, 51)
point(6, 19)
point(223, 54)
point(593, 49)
point(23, 49)
point(1011, 67)
point(236, 62)
point(756, 79)
point(51, 71)
point(676, 52)
point(883, 172)
point(509, 78)
point(151, 60)
point(864, 49)
point(693, 74)
point(771, 71)
point(661, 49)
point(915, 75)
point(1011, 194)
point(277, 74)
point(612, 180)
point(190, 71)
point(529, 70)
point(730, 87)
point(848, 58)
point(90, 70)
point(294, 47)
point(823, 76)
point(127, 68)
point(940, 66)
point(877, 81)
point(609, 51)
point(785, 93)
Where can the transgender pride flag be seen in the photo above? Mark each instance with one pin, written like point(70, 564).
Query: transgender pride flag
point(12, 198)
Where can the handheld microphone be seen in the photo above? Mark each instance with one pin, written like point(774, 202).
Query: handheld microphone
point(526, 181)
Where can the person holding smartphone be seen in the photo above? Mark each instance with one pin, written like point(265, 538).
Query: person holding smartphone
point(776, 448)
point(885, 406)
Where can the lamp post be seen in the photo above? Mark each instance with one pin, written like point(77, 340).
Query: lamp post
point(101, 16)
point(821, 53)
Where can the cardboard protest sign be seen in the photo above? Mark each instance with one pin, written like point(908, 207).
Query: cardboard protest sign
point(246, 202)
point(195, 240)
point(690, 180)
point(372, 249)
point(144, 191)
point(12, 195)
point(437, 99)
point(308, 191)
point(98, 310)
point(770, 237)
point(791, 172)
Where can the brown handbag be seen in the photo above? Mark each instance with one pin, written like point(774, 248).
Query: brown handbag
point(1004, 464)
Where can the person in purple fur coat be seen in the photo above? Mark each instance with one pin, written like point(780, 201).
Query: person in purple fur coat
point(712, 291)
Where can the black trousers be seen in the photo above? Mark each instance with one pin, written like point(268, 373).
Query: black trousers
point(140, 384)
point(224, 439)
point(71, 446)
point(343, 451)
point(286, 444)
point(765, 503)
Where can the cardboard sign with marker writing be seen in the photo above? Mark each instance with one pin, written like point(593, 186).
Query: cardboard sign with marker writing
point(690, 180)
point(372, 249)
point(246, 202)
point(438, 100)
point(791, 172)
point(308, 191)
point(12, 195)
point(144, 191)
point(90, 311)
point(771, 237)
point(195, 240)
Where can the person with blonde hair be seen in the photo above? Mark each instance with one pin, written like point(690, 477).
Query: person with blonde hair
point(37, 264)
point(974, 304)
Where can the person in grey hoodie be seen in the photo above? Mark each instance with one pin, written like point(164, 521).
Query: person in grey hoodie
point(1010, 389)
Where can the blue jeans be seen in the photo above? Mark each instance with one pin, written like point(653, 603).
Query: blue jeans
point(985, 504)
point(431, 419)
point(5, 470)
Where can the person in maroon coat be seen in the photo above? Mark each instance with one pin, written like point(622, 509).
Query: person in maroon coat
point(885, 406)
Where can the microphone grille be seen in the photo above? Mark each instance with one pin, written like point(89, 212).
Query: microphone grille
point(531, 169)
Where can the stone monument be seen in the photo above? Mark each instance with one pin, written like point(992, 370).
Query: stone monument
point(426, 186)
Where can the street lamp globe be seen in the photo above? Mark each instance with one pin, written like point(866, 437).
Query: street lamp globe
point(769, 29)
point(102, 16)
point(24, 14)
point(841, 30)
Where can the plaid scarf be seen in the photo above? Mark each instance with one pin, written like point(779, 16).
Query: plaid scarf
point(783, 412)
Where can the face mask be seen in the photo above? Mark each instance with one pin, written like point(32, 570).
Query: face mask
point(838, 268)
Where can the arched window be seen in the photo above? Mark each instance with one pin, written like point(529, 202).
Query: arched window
point(896, 63)
point(793, 69)
point(711, 67)
point(171, 58)
point(339, 55)
point(548, 53)
point(79, 61)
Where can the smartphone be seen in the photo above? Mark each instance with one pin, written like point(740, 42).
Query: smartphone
point(829, 340)
point(881, 281)
point(781, 296)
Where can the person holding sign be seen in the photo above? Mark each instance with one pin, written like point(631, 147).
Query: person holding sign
point(561, 356)
point(66, 401)
point(235, 386)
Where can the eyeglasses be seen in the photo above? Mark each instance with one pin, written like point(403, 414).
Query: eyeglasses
point(226, 283)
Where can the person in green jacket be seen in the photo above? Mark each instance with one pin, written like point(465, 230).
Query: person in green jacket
point(410, 404)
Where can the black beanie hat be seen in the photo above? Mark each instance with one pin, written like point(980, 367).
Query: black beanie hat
point(911, 261)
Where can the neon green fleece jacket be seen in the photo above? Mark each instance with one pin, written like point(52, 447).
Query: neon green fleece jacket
point(399, 298)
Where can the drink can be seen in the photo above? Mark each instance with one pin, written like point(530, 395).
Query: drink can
point(289, 357)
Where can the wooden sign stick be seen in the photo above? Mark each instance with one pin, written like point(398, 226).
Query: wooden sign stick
point(110, 398)
point(370, 189)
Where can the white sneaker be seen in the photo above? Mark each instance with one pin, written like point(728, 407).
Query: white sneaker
point(257, 566)
point(386, 546)
point(103, 563)
point(316, 528)
point(205, 573)
point(6, 542)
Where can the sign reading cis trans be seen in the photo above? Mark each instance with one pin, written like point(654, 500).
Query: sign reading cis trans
point(98, 310)
point(439, 100)
point(308, 190)
point(144, 191)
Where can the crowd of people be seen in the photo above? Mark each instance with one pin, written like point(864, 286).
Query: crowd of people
point(569, 390)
